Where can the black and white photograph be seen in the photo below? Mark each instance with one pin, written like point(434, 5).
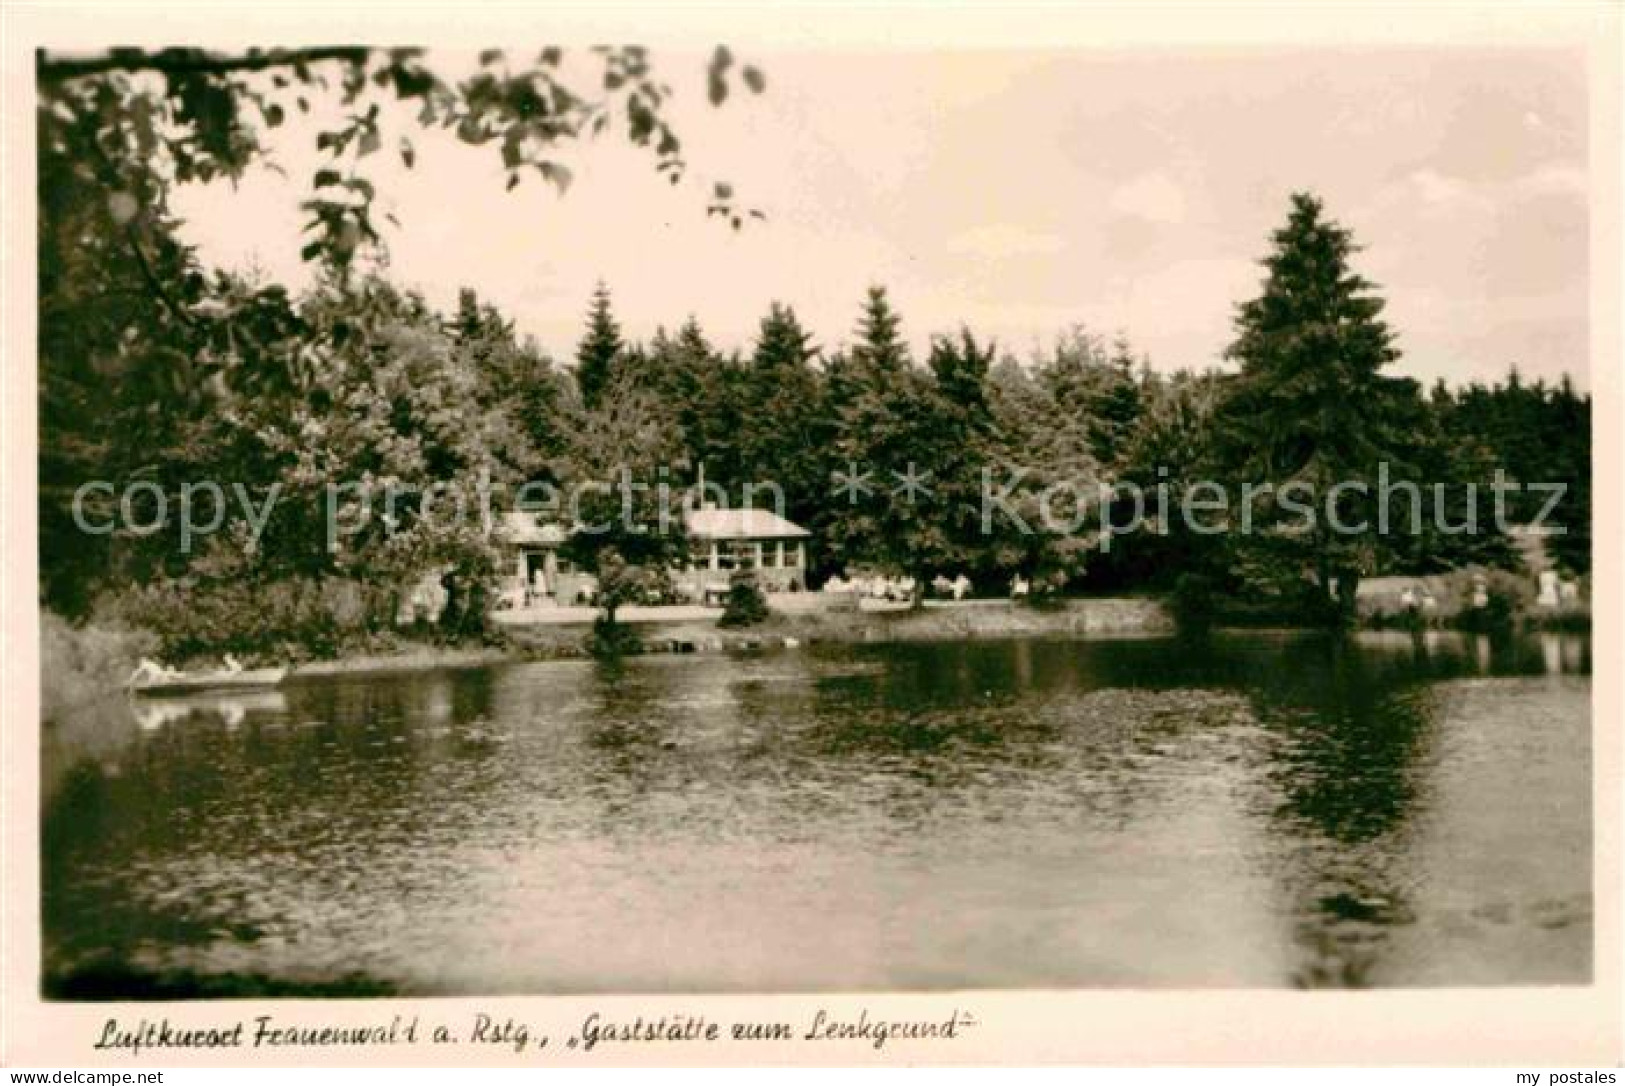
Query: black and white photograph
point(742, 516)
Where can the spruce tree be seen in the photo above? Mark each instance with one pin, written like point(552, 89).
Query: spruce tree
point(1116, 407)
point(963, 439)
point(882, 402)
point(701, 389)
point(1312, 407)
point(780, 438)
point(599, 350)
point(880, 348)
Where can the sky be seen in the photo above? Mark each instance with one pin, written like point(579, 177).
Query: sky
point(1018, 193)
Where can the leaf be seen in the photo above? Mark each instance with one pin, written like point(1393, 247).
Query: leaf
point(641, 120)
point(408, 154)
point(716, 75)
point(328, 177)
point(370, 142)
point(490, 56)
point(559, 175)
point(274, 115)
point(754, 79)
point(513, 182)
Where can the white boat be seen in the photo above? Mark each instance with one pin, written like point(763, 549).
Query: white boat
point(187, 682)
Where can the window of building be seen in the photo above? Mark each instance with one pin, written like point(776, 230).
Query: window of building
point(738, 554)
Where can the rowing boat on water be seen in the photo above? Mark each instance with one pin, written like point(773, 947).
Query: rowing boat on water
point(187, 682)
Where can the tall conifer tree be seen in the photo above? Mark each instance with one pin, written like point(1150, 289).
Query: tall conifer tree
point(599, 350)
point(1312, 407)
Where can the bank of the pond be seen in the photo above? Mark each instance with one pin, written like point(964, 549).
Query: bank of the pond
point(967, 620)
point(83, 666)
point(406, 658)
point(86, 666)
point(691, 630)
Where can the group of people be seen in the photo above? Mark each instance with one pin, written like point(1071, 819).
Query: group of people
point(874, 588)
point(898, 589)
point(150, 671)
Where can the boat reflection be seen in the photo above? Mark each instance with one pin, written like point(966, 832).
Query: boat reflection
point(232, 708)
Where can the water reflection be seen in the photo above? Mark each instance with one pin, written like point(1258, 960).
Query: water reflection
point(1241, 809)
point(231, 708)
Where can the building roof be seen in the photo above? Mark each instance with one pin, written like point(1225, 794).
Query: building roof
point(520, 526)
point(710, 523)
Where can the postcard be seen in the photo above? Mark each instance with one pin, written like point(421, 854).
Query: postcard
point(813, 535)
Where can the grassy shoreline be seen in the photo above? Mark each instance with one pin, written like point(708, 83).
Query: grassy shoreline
point(408, 657)
point(963, 622)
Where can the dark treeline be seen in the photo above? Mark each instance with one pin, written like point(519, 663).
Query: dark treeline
point(1535, 432)
point(409, 396)
point(157, 374)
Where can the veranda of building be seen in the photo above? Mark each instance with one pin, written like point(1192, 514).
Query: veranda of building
point(723, 540)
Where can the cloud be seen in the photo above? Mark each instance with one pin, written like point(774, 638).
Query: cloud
point(1554, 179)
point(1433, 190)
point(1433, 187)
point(1153, 196)
point(999, 240)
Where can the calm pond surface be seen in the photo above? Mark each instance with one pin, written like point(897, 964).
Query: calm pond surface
point(1252, 809)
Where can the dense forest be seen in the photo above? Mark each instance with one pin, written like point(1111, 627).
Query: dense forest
point(157, 371)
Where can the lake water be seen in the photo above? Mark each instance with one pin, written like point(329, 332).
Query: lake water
point(1252, 809)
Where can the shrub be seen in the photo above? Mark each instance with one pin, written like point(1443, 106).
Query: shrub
point(745, 605)
point(610, 639)
point(1510, 597)
point(1195, 600)
point(82, 664)
point(288, 620)
point(1495, 616)
point(659, 589)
